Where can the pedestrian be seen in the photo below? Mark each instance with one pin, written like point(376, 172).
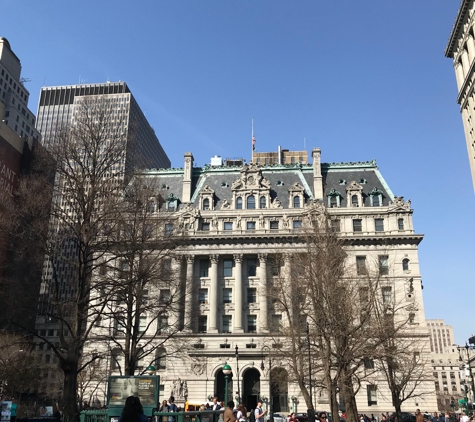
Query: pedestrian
point(172, 408)
point(216, 405)
point(259, 413)
point(292, 417)
point(133, 411)
point(164, 408)
point(241, 415)
point(419, 416)
point(228, 413)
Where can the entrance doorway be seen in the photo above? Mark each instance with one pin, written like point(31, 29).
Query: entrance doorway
point(251, 388)
point(220, 387)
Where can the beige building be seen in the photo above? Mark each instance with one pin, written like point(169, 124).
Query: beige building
point(441, 335)
point(461, 48)
point(234, 220)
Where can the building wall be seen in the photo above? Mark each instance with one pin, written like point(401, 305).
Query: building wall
point(384, 229)
point(461, 48)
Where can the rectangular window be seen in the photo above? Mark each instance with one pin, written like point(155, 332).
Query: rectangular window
point(369, 363)
point(383, 265)
point(142, 324)
point(387, 293)
point(165, 296)
point(335, 226)
point(169, 229)
point(361, 265)
point(162, 325)
point(274, 225)
point(204, 267)
point(228, 268)
point(251, 295)
point(228, 225)
point(357, 226)
point(227, 295)
point(226, 323)
point(251, 267)
point(400, 223)
point(119, 326)
point(372, 396)
point(379, 224)
point(276, 326)
point(203, 296)
point(202, 324)
point(205, 226)
point(251, 225)
point(251, 323)
point(297, 224)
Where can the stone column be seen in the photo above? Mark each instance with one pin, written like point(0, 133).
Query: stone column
point(213, 295)
point(288, 287)
point(238, 302)
point(189, 290)
point(263, 306)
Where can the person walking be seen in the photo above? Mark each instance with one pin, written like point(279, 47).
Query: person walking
point(172, 408)
point(419, 416)
point(259, 413)
point(133, 411)
point(228, 413)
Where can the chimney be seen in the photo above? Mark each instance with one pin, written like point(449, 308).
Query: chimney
point(317, 174)
point(186, 195)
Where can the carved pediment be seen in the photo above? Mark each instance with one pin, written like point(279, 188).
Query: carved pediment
point(354, 187)
point(314, 206)
point(400, 204)
point(206, 190)
point(251, 178)
point(296, 187)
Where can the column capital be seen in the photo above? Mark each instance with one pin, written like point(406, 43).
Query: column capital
point(238, 257)
point(190, 259)
point(214, 258)
point(262, 257)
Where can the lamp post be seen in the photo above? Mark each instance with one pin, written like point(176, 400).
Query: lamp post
point(150, 370)
point(271, 415)
point(226, 371)
point(467, 348)
point(309, 367)
point(238, 399)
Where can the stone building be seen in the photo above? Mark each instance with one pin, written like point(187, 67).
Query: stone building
point(461, 49)
point(232, 219)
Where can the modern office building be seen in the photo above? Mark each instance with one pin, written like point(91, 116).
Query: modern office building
point(58, 106)
point(461, 49)
point(441, 335)
point(234, 221)
point(14, 95)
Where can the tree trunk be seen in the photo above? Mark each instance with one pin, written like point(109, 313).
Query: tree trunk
point(70, 404)
point(348, 394)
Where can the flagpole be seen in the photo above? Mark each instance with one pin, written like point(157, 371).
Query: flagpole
point(252, 139)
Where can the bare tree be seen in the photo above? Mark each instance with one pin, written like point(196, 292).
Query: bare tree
point(137, 274)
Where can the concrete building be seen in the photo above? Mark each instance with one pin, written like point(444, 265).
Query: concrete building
point(233, 219)
point(441, 335)
point(58, 105)
point(461, 49)
point(14, 95)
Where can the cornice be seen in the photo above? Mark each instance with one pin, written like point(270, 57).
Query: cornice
point(449, 49)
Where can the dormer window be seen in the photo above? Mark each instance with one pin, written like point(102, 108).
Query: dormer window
point(376, 197)
point(334, 199)
point(172, 203)
point(207, 198)
point(296, 202)
point(263, 202)
point(206, 204)
point(354, 195)
point(251, 202)
point(354, 200)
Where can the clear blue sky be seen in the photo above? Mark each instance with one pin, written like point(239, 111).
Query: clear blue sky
point(359, 79)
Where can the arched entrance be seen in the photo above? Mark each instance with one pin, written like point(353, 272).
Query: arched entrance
point(251, 388)
point(220, 387)
point(279, 388)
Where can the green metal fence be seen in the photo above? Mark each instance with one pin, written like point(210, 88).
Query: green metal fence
point(94, 416)
point(206, 416)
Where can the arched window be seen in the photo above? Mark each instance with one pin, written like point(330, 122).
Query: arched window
point(405, 264)
point(376, 201)
point(251, 202)
point(239, 203)
point(296, 201)
point(205, 204)
point(354, 200)
point(263, 202)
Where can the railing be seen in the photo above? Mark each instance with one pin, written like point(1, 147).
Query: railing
point(196, 416)
point(94, 415)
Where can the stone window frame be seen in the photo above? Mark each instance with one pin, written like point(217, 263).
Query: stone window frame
point(296, 190)
point(334, 194)
point(376, 192)
point(206, 193)
point(354, 188)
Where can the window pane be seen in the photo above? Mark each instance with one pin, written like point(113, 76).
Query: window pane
point(202, 324)
point(204, 267)
point(251, 267)
point(379, 224)
point(251, 323)
point(335, 225)
point(263, 202)
point(251, 295)
point(361, 265)
point(226, 323)
point(274, 225)
point(376, 202)
point(251, 202)
point(251, 225)
point(383, 265)
point(296, 202)
point(297, 224)
point(400, 223)
point(203, 295)
point(206, 204)
point(357, 227)
point(228, 225)
point(227, 268)
point(227, 295)
point(205, 226)
point(387, 294)
point(354, 201)
point(239, 203)
point(405, 264)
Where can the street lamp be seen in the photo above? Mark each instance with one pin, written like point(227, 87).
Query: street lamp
point(150, 370)
point(238, 399)
point(226, 371)
point(271, 416)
